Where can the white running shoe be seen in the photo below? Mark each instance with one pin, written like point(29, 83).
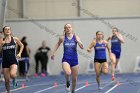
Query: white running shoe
point(68, 86)
point(99, 88)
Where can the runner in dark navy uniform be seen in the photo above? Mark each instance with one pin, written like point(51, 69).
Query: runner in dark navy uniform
point(9, 57)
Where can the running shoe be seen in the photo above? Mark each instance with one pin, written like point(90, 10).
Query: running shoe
point(68, 86)
point(43, 75)
point(35, 74)
point(113, 78)
point(14, 83)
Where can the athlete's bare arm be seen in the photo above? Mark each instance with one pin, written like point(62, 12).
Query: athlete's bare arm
point(21, 46)
point(79, 42)
point(92, 44)
point(61, 39)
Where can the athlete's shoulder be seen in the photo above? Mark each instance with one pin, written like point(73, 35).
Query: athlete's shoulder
point(16, 39)
point(105, 42)
point(61, 38)
point(94, 41)
point(109, 38)
point(2, 42)
point(76, 36)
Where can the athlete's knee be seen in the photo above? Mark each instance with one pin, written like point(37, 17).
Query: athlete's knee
point(13, 75)
point(68, 72)
point(113, 63)
point(113, 58)
point(105, 71)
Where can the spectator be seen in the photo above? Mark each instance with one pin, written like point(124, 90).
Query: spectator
point(24, 54)
point(0, 55)
point(42, 56)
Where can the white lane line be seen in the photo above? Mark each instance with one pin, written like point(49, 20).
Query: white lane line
point(16, 89)
point(54, 86)
point(86, 85)
point(111, 82)
point(116, 85)
point(80, 88)
point(45, 89)
point(107, 84)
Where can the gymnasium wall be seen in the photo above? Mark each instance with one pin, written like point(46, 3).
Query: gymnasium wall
point(85, 28)
point(14, 5)
point(3, 4)
point(42, 9)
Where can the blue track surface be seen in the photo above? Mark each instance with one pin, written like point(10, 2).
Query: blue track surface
point(129, 83)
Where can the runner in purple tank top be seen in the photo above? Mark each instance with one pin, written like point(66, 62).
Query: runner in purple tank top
point(100, 61)
point(116, 40)
point(70, 57)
